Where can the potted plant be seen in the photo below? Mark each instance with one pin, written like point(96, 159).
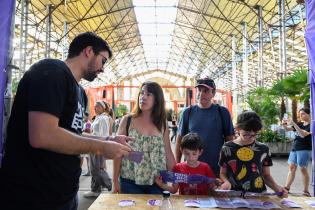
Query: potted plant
point(278, 144)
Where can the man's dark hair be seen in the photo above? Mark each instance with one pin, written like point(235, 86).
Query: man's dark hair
point(86, 114)
point(249, 121)
point(191, 141)
point(86, 39)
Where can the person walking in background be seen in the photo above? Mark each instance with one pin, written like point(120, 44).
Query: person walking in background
point(86, 129)
point(148, 126)
point(44, 135)
point(211, 122)
point(244, 162)
point(174, 130)
point(301, 153)
point(100, 127)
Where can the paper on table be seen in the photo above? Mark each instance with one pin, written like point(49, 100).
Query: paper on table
point(290, 203)
point(311, 203)
point(126, 203)
point(230, 203)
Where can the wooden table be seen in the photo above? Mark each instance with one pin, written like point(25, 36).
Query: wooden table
point(110, 201)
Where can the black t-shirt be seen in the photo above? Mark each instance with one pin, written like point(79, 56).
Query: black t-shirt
point(302, 143)
point(244, 165)
point(35, 177)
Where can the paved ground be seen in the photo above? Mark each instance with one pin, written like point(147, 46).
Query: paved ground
point(279, 172)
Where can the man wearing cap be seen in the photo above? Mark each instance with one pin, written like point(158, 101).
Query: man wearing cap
point(211, 122)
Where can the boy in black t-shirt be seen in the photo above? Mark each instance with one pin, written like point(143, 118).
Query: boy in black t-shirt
point(244, 162)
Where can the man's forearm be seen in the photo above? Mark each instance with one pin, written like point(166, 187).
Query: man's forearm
point(177, 149)
point(102, 138)
point(63, 141)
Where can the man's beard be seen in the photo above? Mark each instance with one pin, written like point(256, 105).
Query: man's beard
point(90, 74)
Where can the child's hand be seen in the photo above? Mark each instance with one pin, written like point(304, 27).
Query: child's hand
point(226, 185)
point(159, 181)
point(282, 191)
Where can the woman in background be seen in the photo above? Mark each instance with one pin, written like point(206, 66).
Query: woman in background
point(301, 153)
point(100, 127)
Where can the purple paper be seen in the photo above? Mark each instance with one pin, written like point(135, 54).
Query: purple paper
point(135, 156)
point(310, 46)
point(169, 176)
point(6, 14)
point(153, 202)
point(126, 203)
point(290, 203)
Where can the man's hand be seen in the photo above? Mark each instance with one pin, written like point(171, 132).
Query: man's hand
point(112, 150)
point(121, 139)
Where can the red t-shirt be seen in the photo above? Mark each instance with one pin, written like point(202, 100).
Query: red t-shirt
point(194, 189)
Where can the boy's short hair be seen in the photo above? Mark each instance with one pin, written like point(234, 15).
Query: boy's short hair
point(191, 141)
point(249, 121)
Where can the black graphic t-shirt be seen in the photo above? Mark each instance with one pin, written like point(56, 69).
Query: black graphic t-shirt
point(244, 165)
point(36, 176)
point(302, 143)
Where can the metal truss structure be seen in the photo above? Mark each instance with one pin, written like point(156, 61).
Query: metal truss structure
point(242, 44)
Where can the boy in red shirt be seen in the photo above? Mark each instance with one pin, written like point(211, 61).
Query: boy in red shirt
point(191, 148)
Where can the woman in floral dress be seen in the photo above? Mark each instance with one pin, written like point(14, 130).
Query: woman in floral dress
point(148, 125)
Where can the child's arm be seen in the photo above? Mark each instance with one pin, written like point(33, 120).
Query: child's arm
point(226, 185)
point(270, 182)
point(171, 188)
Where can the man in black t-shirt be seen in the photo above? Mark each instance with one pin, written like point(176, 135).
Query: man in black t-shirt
point(41, 165)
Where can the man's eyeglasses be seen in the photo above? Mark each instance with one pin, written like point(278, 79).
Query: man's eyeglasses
point(104, 60)
point(248, 135)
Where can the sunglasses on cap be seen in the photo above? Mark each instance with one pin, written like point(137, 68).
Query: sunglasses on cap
point(208, 82)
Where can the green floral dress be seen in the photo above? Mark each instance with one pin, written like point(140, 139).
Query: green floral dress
point(154, 159)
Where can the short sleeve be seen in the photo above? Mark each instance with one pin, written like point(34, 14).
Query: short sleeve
point(222, 158)
point(228, 128)
point(176, 168)
point(209, 172)
point(183, 123)
point(267, 160)
point(47, 89)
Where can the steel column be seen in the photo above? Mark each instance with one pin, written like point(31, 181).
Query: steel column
point(245, 61)
point(260, 48)
point(48, 30)
point(234, 78)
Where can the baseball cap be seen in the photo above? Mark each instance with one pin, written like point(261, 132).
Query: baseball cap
point(206, 82)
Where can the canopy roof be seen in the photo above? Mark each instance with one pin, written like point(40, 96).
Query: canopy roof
point(176, 40)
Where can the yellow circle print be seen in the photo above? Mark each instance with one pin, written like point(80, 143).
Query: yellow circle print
point(245, 154)
point(259, 182)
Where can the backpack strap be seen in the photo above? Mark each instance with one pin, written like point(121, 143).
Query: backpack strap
point(128, 124)
point(187, 124)
point(222, 122)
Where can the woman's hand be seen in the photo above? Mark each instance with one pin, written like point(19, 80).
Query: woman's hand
point(159, 182)
point(116, 188)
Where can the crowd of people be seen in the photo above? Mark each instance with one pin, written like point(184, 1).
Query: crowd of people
point(43, 159)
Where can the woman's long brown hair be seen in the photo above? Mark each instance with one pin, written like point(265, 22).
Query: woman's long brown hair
point(158, 114)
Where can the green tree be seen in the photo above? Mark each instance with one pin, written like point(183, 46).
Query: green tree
point(121, 110)
point(295, 87)
point(263, 103)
